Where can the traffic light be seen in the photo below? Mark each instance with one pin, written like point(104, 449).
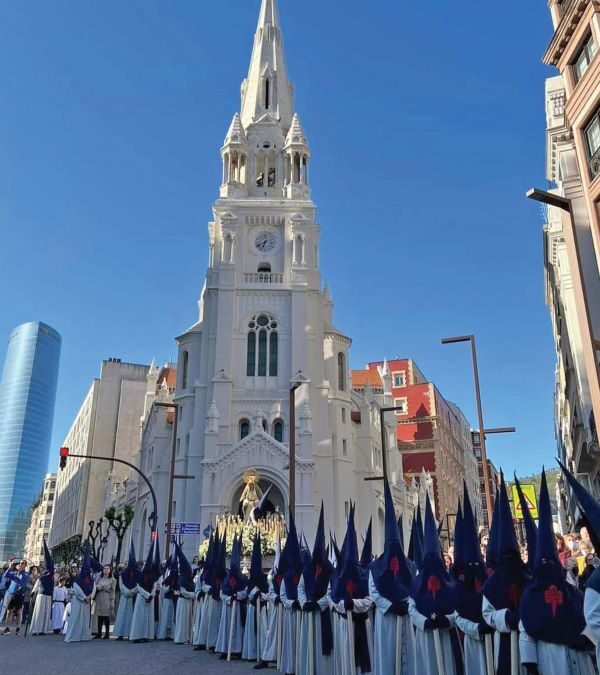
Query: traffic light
point(64, 453)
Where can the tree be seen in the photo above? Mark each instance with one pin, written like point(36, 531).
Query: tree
point(119, 521)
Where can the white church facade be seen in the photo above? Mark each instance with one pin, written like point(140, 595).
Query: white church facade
point(265, 325)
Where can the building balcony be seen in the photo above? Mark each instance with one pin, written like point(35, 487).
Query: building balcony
point(263, 278)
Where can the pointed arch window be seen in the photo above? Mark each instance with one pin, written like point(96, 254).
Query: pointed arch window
point(262, 347)
point(341, 371)
point(267, 93)
point(184, 370)
point(278, 431)
point(244, 428)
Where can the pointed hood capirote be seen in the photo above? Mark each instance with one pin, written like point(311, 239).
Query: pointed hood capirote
point(529, 522)
point(47, 576)
point(469, 569)
point(433, 590)
point(366, 555)
point(390, 571)
point(131, 575)
point(458, 540)
point(149, 574)
point(290, 565)
point(84, 578)
point(415, 546)
point(257, 579)
point(234, 580)
point(349, 581)
point(587, 502)
point(186, 574)
point(551, 609)
point(317, 574)
point(504, 588)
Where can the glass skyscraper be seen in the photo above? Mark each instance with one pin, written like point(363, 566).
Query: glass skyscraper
point(27, 396)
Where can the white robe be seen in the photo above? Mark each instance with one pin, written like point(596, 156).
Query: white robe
point(496, 618)
point(79, 626)
point(59, 599)
point(142, 619)
point(274, 624)
point(222, 645)
point(124, 611)
point(288, 633)
point(322, 664)
point(553, 659)
point(345, 664)
point(165, 616)
point(426, 659)
point(214, 621)
point(474, 646)
point(205, 616)
point(41, 618)
point(385, 646)
point(591, 612)
point(250, 629)
point(183, 617)
point(198, 606)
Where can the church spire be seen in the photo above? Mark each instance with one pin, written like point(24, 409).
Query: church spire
point(267, 94)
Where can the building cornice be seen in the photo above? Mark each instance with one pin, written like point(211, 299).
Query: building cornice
point(567, 26)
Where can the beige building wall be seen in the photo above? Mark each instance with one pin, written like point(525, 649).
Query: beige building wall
point(107, 425)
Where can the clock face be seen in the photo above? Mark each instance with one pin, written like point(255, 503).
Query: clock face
point(265, 242)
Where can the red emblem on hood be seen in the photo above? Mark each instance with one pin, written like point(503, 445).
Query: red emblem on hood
point(433, 585)
point(554, 598)
point(350, 587)
point(514, 595)
point(394, 566)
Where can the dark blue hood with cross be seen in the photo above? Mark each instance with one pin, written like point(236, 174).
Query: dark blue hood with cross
point(131, 575)
point(433, 590)
point(186, 573)
point(349, 581)
point(469, 569)
point(551, 608)
point(317, 573)
point(84, 579)
point(234, 580)
point(290, 563)
point(390, 571)
point(504, 588)
point(258, 578)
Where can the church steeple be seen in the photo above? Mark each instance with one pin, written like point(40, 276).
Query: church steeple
point(267, 94)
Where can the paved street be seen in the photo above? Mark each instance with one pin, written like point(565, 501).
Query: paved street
point(30, 656)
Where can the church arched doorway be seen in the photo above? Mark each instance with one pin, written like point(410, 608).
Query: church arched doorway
point(275, 500)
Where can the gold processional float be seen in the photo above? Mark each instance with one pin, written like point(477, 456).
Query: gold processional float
point(249, 521)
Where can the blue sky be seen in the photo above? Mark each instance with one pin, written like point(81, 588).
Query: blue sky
point(426, 124)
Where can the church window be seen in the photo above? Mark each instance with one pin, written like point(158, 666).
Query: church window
point(251, 359)
point(264, 267)
point(262, 353)
point(402, 405)
point(264, 425)
point(184, 375)
point(278, 431)
point(344, 447)
point(267, 93)
point(262, 347)
point(244, 428)
point(228, 248)
point(341, 371)
point(273, 350)
point(343, 415)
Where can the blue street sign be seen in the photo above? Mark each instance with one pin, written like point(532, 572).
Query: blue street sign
point(184, 529)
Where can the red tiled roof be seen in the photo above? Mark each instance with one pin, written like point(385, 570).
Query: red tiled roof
point(169, 374)
point(362, 377)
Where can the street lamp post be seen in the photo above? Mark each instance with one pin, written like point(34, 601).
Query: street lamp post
point(482, 430)
point(296, 383)
point(591, 346)
point(172, 476)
